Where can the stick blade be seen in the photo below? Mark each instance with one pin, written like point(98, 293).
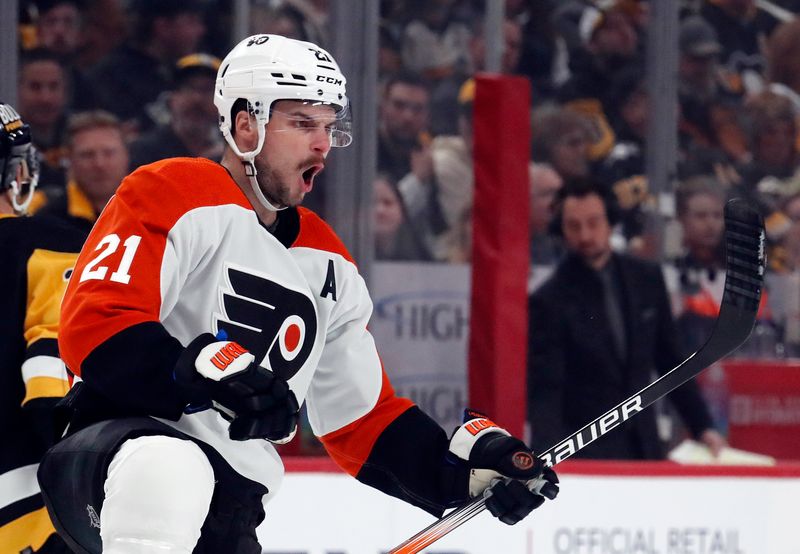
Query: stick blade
point(744, 278)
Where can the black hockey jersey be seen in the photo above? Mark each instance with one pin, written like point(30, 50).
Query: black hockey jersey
point(36, 260)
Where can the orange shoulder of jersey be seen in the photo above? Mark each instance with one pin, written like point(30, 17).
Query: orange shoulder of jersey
point(315, 233)
point(116, 283)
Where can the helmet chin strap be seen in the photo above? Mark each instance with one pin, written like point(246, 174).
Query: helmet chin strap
point(22, 208)
point(250, 167)
point(252, 176)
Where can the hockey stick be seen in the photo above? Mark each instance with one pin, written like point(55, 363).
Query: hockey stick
point(745, 259)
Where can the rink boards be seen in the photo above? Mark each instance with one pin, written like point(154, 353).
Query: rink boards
point(603, 508)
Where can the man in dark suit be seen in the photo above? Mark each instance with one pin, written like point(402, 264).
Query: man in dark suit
point(601, 328)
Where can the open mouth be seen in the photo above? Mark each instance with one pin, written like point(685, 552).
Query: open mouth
point(309, 174)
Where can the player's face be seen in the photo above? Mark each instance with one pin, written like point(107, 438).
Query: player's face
point(586, 229)
point(298, 140)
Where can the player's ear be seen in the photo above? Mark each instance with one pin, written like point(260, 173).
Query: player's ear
point(245, 130)
point(243, 122)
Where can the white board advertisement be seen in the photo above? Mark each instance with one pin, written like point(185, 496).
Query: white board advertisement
point(334, 514)
point(420, 322)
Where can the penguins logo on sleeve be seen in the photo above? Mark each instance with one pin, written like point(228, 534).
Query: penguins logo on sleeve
point(275, 323)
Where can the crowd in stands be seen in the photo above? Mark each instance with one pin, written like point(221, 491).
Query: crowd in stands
point(738, 102)
point(737, 111)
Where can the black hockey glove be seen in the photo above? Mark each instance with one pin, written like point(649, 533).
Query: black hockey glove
point(502, 468)
point(221, 374)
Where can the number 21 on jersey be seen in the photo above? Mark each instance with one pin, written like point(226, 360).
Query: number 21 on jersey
point(107, 246)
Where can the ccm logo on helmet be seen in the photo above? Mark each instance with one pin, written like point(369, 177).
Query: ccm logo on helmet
point(331, 80)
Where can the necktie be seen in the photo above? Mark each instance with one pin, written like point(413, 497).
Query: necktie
point(614, 312)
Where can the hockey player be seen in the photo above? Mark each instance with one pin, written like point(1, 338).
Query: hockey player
point(208, 306)
point(36, 258)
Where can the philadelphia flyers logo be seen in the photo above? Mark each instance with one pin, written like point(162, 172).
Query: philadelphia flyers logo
point(276, 324)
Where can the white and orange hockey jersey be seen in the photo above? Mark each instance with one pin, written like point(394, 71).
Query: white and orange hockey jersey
point(178, 252)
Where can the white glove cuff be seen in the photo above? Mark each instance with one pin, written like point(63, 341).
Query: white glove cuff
point(468, 434)
point(222, 359)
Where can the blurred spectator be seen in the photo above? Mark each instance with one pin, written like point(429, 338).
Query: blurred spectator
point(104, 26)
point(546, 248)
point(610, 42)
point(458, 243)
point(436, 46)
point(313, 16)
point(630, 114)
point(98, 161)
point(565, 20)
point(741, 35)
point(708, 125)
point(43, 91)
point(58, 26)
point(770, 124)
point(395, 238)
point(280, 19)
point(509, 61)
point(783, 274)
point(540, 45)
point(26, 24)
point(192, 129)
point(404, 153)
point(403, 125)
point(784, 257)
point(700, 204)
point(58, 30)
point(452, 168)
point(560, 138)
point(623, 170)
point(163, 32)
point(783, 55)
point(599, 328)
point(390, 61)
point(512, 35)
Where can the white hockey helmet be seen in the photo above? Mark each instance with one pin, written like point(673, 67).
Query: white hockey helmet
point(263, 69)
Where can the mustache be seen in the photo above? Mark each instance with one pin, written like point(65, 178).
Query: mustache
point(312, 160)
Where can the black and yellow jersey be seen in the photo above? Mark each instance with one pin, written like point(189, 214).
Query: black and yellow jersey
point(36, 259)
point(68, 204)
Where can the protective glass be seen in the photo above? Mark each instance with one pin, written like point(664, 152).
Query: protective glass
point(339, 129)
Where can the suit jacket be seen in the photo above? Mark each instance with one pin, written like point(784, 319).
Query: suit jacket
point(575, 373)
